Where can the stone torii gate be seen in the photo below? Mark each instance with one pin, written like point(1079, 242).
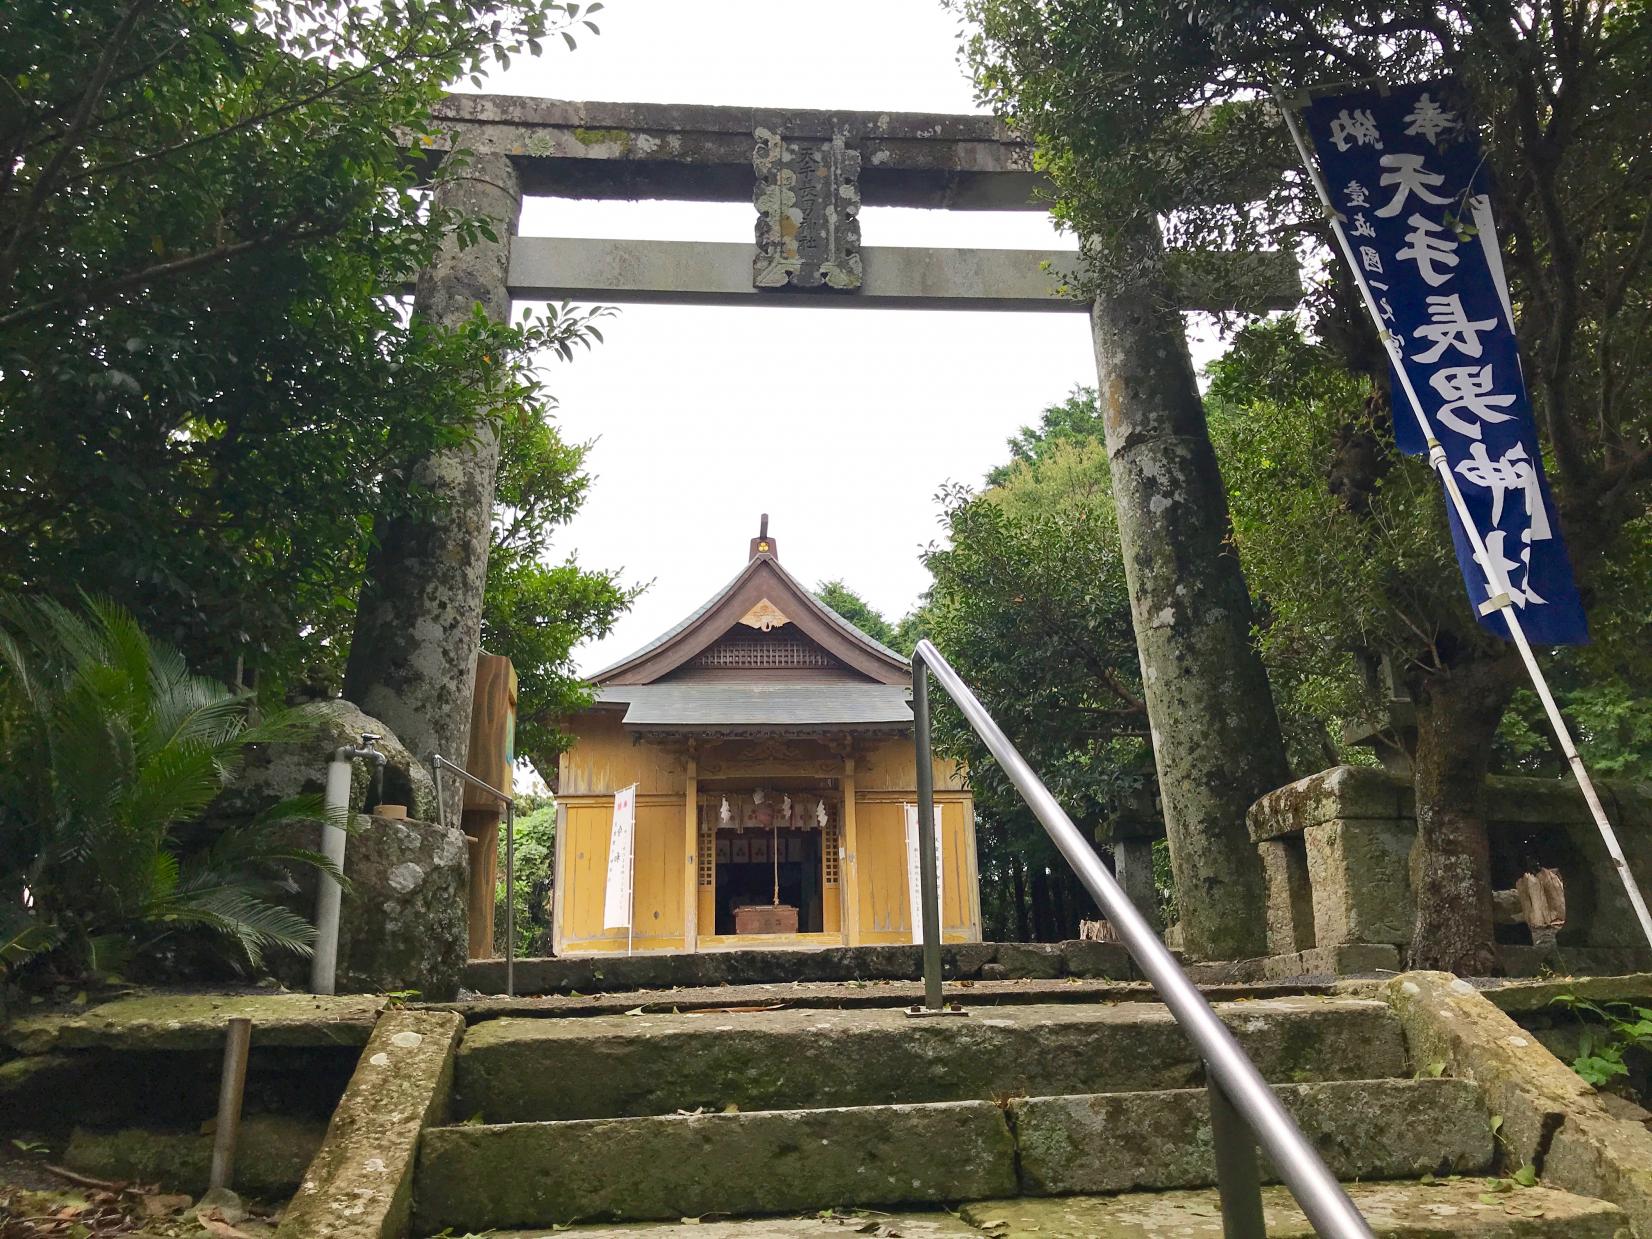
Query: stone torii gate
point(1216, 739)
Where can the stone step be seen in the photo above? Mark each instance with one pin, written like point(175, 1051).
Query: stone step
point(669, 1167)
point(1445, 1210)
point(1460, 1209)
point(612, 1066)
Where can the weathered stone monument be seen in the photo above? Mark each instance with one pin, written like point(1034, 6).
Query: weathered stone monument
point(808, 173)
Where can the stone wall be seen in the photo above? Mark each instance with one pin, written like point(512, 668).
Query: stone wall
point(1336, 851)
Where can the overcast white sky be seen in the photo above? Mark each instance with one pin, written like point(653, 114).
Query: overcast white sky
point(840, 424)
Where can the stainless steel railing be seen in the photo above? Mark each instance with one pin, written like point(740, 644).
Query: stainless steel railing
point(439, 763)
point(1244, 1112)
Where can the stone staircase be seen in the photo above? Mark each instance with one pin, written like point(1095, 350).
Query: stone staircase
point(1041, 1118)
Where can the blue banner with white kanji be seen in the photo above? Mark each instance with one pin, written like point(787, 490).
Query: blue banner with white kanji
point(1406, 173)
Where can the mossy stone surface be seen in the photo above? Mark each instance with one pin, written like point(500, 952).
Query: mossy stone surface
point(165, 1021)
point(1414, 1211)
point(1378, 1129)
point(530, 1070)
point(360, 1185)
point(271, 1154)
point(676, 1166)
point(837, 1226)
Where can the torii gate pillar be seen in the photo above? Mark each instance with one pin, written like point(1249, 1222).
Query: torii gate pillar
point(1216, 737)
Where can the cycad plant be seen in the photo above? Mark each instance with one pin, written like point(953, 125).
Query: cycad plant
point(108, 745)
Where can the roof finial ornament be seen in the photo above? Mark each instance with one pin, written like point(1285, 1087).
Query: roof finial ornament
point(762, 544)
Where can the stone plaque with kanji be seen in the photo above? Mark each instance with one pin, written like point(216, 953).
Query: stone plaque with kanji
point(808, 207)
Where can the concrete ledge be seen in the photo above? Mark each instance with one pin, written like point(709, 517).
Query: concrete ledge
point(961, 961)
point(533, 1070)
point(1552, 1120)
point(543, 1174)
point(1520, 997)
point(1365, 1129)
point(197, 1022)
point(360, 1185)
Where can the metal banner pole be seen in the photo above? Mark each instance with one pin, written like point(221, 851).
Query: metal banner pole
point(1500, 596)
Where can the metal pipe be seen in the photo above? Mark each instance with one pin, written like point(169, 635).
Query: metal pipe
point(329, 895)
point(1238, 1181)
point(928, 903)
point(232, 1086)
point(438, 763)
point(510, 898)
point(1320, 1196)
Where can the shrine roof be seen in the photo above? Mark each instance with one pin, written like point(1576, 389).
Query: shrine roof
point(761, 593)
point(675, 706)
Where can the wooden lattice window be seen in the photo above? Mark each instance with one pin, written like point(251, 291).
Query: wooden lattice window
point(755, 651)
point(829, 845)
point(708, 847)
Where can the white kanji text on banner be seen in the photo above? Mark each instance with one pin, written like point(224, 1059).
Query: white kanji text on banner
point(622, 846)
point(914, 884)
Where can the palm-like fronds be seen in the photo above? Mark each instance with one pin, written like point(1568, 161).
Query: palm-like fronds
point(107, 745)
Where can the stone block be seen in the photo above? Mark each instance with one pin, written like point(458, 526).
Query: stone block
point(1290, 908)
point(1375, 1129)
point(360, 1185)
point(1598, 1155)
point(402, 922)
point(1349, 959)
point(789, 1161)
point(1359, 870)
point(1108, 960)
point(528, 1070)
point(197, 1022)
point(1133, 867)
point(1458, 1209)
point(1340, 792)
point(271, 1154)
point(1451, 1026)
point(964, 960)
point(1034, 960)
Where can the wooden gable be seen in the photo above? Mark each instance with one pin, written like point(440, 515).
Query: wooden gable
point(762, 626)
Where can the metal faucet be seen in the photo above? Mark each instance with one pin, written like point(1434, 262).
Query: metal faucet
point(366, 752)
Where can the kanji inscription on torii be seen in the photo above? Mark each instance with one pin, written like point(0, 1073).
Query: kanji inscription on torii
point(808, 203)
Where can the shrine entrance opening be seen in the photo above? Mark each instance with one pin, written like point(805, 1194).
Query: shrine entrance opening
point(774, 860)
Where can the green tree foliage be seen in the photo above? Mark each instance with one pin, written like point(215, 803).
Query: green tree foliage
point(206, 396)
point(108, 746)
point(852, 607)
point(1152, 112)
point(533, 611)
point(535, 876)
point(1029, 603)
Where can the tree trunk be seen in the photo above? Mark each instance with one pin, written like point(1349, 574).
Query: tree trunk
point(1216, 737)
point(412, 661)
point(1040, 903)
point(1457, 717)
point(1018, 877)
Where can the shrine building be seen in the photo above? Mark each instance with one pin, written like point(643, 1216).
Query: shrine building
point(770, 744)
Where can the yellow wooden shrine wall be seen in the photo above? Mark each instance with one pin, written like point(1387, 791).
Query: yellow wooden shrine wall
point(605, 759)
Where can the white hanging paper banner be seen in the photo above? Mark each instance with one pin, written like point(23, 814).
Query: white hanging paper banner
point(914, 883)
point(616, 904)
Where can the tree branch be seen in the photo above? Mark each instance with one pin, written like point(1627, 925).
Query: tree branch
point(162, 270)
point(77, 125)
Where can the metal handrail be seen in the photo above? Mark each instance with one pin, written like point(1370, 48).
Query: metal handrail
point(1244, 1110)
point(439, 763)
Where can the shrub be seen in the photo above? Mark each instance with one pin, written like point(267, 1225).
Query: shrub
point(109, 748)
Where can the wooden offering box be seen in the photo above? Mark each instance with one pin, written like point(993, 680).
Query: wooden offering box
point(763, 918)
